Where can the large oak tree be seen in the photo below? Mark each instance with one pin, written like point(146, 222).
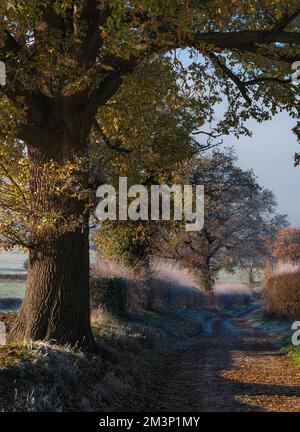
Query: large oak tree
point(66, 60)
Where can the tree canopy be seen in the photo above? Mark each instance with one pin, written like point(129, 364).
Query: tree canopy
point(79, 51)
point(79, 55)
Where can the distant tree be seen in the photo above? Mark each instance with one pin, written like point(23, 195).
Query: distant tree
point(286, 247)
point(251, 258)
point(239, 215)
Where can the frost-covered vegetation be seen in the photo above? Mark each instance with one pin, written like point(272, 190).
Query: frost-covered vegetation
point(282, 291)
point(234, 294)
point(166, 285)
point(42, 377)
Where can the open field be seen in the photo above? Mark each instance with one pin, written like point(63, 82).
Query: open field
point(13, 289)
point(12, 262)
point(239, 275)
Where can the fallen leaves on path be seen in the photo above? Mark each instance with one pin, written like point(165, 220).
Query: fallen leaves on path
point(238, 368)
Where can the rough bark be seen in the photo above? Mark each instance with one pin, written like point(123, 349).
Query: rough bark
point(56, 306)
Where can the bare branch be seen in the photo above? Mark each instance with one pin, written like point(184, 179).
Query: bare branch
point(228, 72)
point(244, 38)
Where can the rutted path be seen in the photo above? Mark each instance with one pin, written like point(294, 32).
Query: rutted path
point(236, 368)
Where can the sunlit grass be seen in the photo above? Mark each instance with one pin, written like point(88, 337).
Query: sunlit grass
point(15, 355)
point(294, 353)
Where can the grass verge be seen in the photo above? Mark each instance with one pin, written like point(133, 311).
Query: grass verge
point(294, 353)
point(42, 377)
point(281, 332)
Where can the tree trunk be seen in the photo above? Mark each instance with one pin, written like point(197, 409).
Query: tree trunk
point(206, 278)
point(207, 283)
point(56, 306)
point(251, 276)
point(146, 272)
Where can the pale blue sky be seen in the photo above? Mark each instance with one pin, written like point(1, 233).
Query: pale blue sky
point(270, 152)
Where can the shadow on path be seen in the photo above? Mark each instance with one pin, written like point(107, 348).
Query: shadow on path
point(236, 368)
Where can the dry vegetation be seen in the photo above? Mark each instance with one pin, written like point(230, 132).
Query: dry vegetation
point(282, 292)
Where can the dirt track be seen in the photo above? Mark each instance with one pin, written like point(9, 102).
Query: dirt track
point(236, 368)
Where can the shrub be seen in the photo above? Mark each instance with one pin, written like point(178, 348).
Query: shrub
point(109, 294)
point(137, 290)
point(233, 294)
point(282, 292)
point(174, 287)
